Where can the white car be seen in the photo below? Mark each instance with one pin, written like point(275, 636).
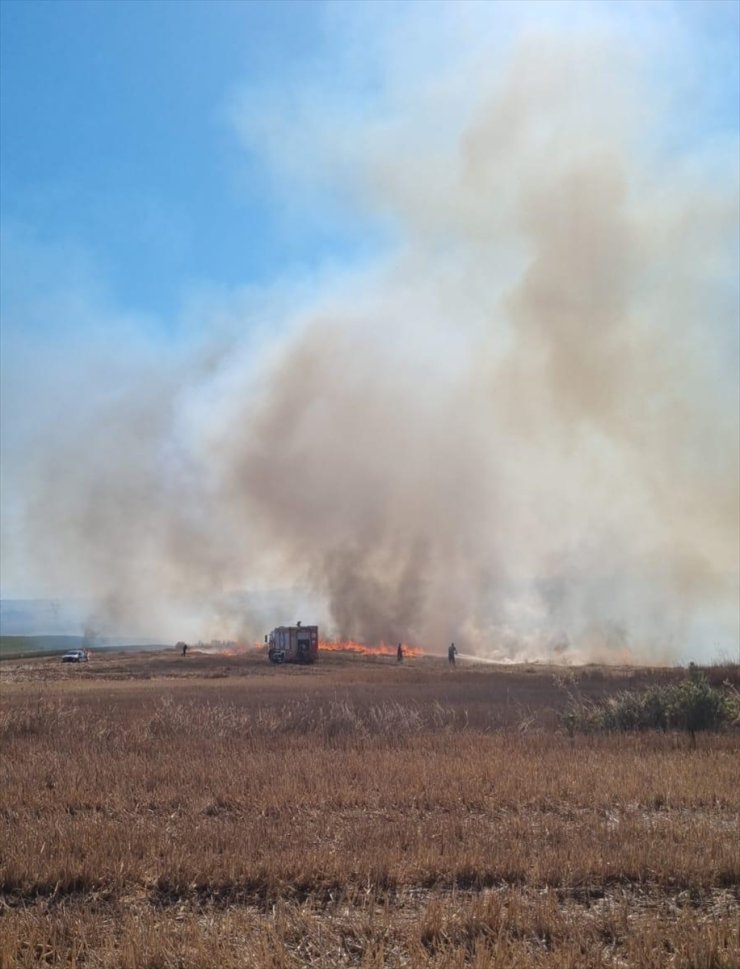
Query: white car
point(75, 656)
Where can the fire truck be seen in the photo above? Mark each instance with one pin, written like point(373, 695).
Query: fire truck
point(293, 644)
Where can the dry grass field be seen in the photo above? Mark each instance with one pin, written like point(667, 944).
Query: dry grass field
point(211, 811)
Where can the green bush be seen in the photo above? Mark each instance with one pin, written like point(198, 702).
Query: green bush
point(695, 705)
point(691, 705)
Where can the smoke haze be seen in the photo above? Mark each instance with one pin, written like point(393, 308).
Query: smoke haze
point(515, 427)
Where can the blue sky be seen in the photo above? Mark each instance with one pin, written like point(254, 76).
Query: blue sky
point(118, 133)
point(116, 138)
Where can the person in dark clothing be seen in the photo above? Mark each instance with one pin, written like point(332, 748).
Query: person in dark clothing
point(399, 653)
point(451, 653)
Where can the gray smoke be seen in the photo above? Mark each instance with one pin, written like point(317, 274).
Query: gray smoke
point(517, 430)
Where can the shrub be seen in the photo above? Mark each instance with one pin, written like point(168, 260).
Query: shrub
point(691, 705)
point(695, 705)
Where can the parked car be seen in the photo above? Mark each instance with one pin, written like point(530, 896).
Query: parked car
point(75, 656)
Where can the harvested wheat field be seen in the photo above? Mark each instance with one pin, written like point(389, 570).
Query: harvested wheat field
point(199, 811)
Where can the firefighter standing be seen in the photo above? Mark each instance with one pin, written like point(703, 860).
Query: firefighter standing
point(451, 653)
point(399, 653)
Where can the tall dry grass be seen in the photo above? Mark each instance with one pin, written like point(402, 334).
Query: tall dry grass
point(229, 827)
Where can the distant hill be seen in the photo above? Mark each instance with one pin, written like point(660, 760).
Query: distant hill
point(20, 647)
point(15, 646)
point(42, 617)
point(66, 621)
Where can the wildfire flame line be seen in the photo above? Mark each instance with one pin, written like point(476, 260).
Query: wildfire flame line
point(381, 649)
point(328, 645)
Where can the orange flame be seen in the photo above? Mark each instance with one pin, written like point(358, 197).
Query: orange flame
point(382, 649)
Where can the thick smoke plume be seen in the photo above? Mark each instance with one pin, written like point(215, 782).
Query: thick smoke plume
point(518, 429)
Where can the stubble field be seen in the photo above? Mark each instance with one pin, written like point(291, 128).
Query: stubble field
point(161, 811)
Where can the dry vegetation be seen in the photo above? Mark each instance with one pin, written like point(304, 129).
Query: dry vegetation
point(215, 812)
